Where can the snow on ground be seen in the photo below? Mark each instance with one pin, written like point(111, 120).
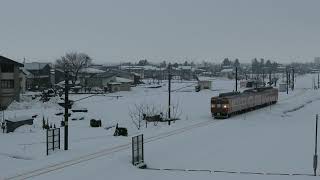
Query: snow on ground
point(275, 139)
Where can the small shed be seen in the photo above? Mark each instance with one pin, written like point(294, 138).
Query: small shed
point(119, 84)
point(204, 83)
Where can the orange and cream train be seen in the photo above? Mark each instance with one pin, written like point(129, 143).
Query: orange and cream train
point(227, 104)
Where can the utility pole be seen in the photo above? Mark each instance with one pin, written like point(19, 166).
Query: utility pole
point(318, 81)
point(292, 87)
point(236, 79)
point(169, 90)
point(270, 78)
point(66, 108)
point(315, 157)
point(263, 75)
point(289, 78)
point(287, 81)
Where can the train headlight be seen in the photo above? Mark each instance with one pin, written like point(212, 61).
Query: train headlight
point(213, 105)
point(225, 106)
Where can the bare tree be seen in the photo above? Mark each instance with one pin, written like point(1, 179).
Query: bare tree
point(136, 114)
point(138, 111)
point(73, 62)
point(176, 111)
point(152, 113)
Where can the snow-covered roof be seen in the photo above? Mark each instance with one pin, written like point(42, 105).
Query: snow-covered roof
point(26, 72)
point(7, 60)
point(227, 70)
point(148, 67)
point(151, 68)
point(61, 83)
point(185, 67)
point(203, 78)
point(114, 83)
point(91, 70)
point(136, 74)
point(133, 67)
point(202, 70)
point(19, 118)
point(35, 65)
point(123, 80)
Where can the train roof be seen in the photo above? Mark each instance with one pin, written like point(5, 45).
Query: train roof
point(259, 89)
point(253, 90)
point(228, 94)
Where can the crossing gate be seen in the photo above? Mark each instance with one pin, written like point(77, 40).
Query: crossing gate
point(137, 150)
point(53, 139)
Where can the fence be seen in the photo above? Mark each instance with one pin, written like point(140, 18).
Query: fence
point(53, 139)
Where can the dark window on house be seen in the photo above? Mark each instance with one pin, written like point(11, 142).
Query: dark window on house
point(7, 68)
point(7, 84)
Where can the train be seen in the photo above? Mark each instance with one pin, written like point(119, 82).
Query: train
point(232, 103)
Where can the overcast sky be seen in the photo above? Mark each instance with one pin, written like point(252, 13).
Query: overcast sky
point(129, 30)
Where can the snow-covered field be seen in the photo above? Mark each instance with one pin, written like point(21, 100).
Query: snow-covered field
point(275, 139)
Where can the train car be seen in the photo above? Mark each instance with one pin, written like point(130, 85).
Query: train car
point(227, 104)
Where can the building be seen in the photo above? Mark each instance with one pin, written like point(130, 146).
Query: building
point(317, 60)
point(228, 73)
point(140, 70)
point(119, 84)
point(23, 75)
point(185, 72)
point(204, 83)
point(112, 80)
point(42, 75)
point(10, 85)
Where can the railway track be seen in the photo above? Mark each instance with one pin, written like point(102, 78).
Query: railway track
point(105, 152)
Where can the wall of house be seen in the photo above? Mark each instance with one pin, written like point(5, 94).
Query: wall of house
point(41, 78)
point(204, 84)
point(106, 81)
point(120, 87)
point(23, 82)
point(7, 95)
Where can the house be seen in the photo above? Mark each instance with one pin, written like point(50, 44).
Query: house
point(119, 84)
point(112, 80)
point(135, 77)
point(88, 77)
point(185, 72)
point(204, 83)
point(41, 77)
point(59, 75)
point(135, 69)
point(228, 73)
point(23, 75)
point(9, 81)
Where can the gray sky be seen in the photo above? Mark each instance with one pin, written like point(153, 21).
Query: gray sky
point(124, 30)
